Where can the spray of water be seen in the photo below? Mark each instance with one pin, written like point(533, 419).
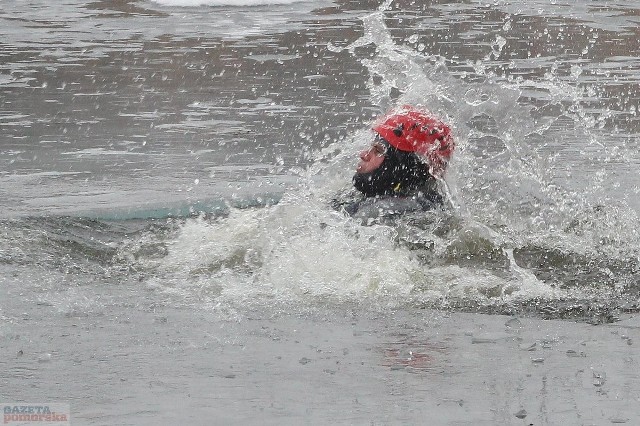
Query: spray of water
point(515, 238)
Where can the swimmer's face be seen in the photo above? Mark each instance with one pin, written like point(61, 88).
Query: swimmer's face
point(371, 158)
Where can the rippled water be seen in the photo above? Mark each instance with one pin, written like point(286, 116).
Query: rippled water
point(175, 161)
point(253, 115)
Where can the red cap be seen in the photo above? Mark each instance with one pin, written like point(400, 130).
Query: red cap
point(413, 130)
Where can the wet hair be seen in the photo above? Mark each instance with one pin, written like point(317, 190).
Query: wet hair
point(401, 173)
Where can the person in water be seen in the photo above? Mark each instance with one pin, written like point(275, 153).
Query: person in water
point(399, 172)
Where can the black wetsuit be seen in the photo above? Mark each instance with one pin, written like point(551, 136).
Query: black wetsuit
point(401, 184)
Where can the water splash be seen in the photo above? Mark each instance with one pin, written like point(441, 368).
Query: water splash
point(505, 172)
point(518, 238)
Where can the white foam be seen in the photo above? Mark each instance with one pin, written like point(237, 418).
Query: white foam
point(301, 253)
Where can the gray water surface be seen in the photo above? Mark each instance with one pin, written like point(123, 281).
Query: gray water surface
point(168, 250)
